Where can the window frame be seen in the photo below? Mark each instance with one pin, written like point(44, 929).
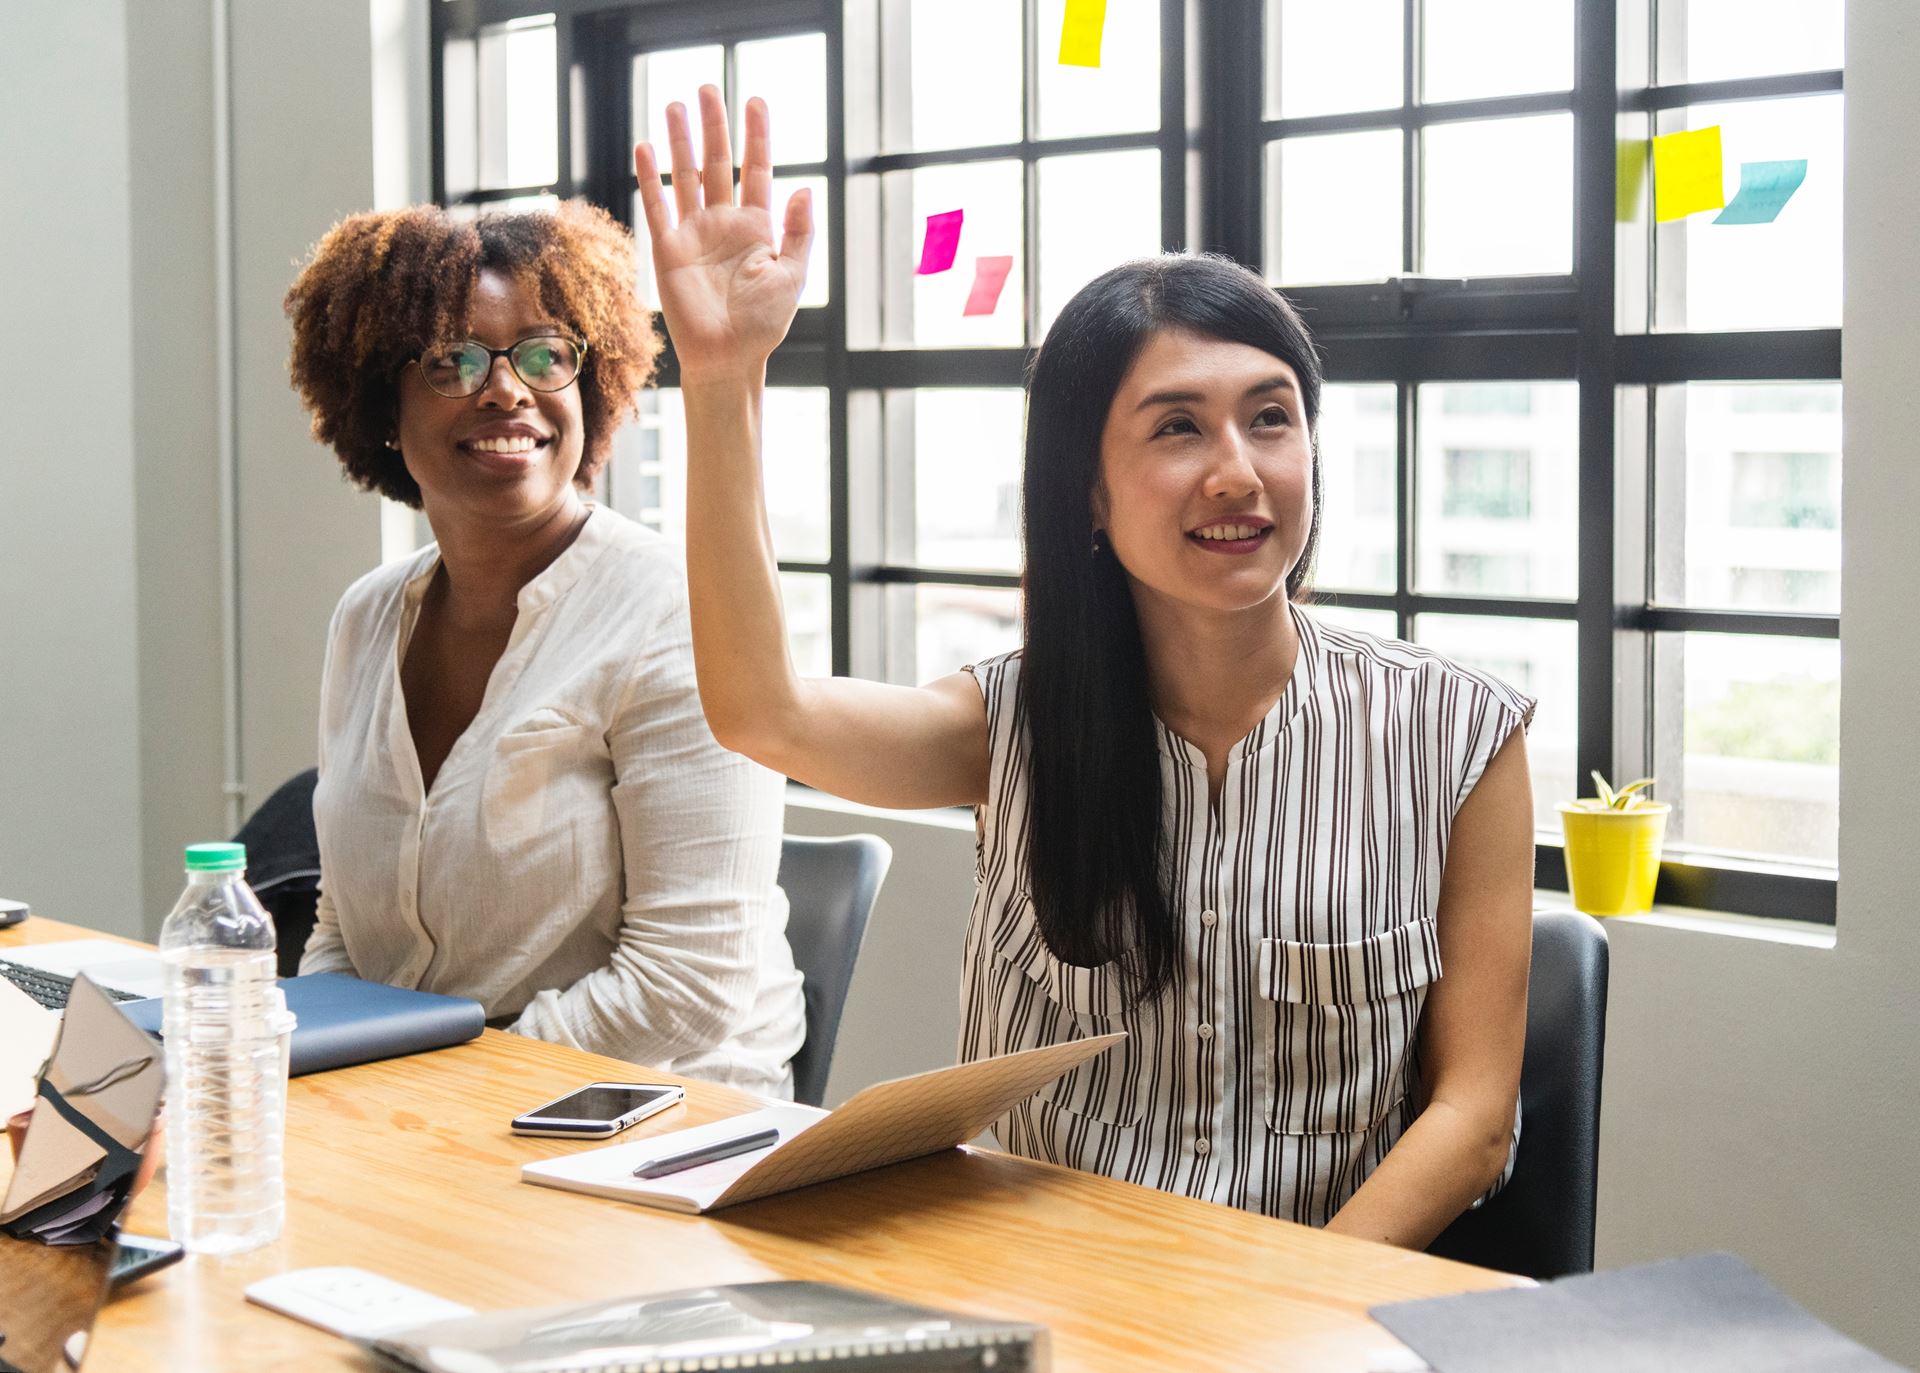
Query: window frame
point(1406, 331)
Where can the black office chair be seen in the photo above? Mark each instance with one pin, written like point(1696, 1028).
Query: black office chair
point(283, 864)
point(831, 885)
point(1541, 1223)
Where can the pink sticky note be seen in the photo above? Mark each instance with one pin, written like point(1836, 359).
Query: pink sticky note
point(943, 241)
point(989, 277)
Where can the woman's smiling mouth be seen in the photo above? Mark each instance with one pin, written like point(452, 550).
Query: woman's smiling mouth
point(507, 449)
point(1231, 536)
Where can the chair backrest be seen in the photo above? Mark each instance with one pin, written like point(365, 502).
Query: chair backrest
point(831, 885)
point(283, 864)
point(1541, 1222)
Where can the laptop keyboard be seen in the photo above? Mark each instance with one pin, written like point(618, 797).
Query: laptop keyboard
point(50, 989)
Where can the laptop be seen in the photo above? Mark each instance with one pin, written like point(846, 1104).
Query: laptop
point(46, 972)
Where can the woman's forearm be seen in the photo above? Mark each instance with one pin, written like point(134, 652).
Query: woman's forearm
point(747, 682)
point(1446, 1159)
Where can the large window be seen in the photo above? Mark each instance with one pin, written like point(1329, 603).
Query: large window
point(1591, 451)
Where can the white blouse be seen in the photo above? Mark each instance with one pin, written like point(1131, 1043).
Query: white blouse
point(590, 862)
point(1279, 1068)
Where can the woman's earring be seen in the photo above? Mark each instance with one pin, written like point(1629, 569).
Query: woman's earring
point(1099, 541)
point(394, 444)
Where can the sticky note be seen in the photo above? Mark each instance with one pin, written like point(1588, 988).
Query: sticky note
point(942, 242)
point(1686, 173)
point(1764, 188)
point(989, 278)
point(1630, 170)
point(1080, 33)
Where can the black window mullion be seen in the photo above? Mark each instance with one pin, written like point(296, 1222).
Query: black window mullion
point(1029, 167)
point(1409, 138)
point(1173, 127)
point(840, 516)
point(1683, 93)
point(563, 60)
point(438, 30)
point(1406, 427)
point(1595, 97)
point(609, 122)
point(1230, 100)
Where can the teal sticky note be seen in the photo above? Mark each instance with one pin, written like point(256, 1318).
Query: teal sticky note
point(1764, 188)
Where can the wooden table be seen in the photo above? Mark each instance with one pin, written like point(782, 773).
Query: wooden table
point(407, 1168)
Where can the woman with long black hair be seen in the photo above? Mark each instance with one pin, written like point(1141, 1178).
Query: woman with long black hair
point(1250, 839)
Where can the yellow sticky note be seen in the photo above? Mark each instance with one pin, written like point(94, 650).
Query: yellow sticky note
point(1686, 173)
point(1630, 171)
point(1080, 34)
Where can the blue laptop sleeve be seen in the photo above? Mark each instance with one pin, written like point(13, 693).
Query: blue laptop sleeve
point(343, 1020)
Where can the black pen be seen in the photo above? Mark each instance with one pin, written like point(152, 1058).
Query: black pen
point(707, 1153)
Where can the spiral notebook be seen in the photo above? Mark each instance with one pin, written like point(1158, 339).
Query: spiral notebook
point(889, 1122)
point(744, 1325)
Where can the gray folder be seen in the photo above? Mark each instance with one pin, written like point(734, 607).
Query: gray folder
point(343, 1020)
point(1703, 1314)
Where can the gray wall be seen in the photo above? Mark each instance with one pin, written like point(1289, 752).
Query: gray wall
point(302, 159)
point(70, 799)
point(111, 708)
point(169, 137)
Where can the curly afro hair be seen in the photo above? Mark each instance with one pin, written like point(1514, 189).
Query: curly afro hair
point(381, 287)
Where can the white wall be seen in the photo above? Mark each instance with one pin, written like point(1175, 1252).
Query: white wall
point(169, 139)
point(111, 707)
point(303, 159)
point(70, 799)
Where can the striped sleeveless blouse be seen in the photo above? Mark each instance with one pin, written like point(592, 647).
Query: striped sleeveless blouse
point(1279, 1068)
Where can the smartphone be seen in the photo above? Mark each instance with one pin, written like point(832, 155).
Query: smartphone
point(599, 1109)
point(138, 1256)
point(12, 913)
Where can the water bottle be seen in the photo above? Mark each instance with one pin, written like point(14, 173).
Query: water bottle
point(225, 1018)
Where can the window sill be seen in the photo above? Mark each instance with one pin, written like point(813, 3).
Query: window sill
point(941, 818)
point(1766, 929)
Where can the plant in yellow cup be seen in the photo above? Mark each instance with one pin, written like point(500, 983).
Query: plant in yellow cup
point(1613, 847)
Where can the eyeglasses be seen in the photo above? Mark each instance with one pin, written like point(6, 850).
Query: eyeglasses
point(545, 362)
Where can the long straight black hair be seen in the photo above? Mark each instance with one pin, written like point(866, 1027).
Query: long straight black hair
point(1096, 854)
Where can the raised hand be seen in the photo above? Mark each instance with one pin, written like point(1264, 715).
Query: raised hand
point(727, 290)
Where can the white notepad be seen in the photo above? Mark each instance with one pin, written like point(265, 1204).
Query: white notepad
point(889, 1122)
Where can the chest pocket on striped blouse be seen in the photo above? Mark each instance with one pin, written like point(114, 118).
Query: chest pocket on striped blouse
point(1343, 1019)
point(1039, 1000)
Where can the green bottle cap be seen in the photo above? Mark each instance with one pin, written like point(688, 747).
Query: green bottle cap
point(216, 857)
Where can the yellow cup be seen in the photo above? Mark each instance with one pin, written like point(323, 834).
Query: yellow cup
point(1613, 856)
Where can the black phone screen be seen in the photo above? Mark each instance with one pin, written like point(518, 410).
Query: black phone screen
point(605, 1101)
point(138, 1255)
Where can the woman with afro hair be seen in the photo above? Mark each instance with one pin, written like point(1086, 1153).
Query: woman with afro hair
point(519, 799)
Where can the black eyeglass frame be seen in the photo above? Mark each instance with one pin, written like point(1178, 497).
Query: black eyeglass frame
point(495, 354)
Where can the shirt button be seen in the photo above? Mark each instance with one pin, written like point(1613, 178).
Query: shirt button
point(1202, 1146)
point(1209, 919)
point(1205, 1031)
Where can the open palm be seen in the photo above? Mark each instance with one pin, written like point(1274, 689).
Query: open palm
point(728, 291)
